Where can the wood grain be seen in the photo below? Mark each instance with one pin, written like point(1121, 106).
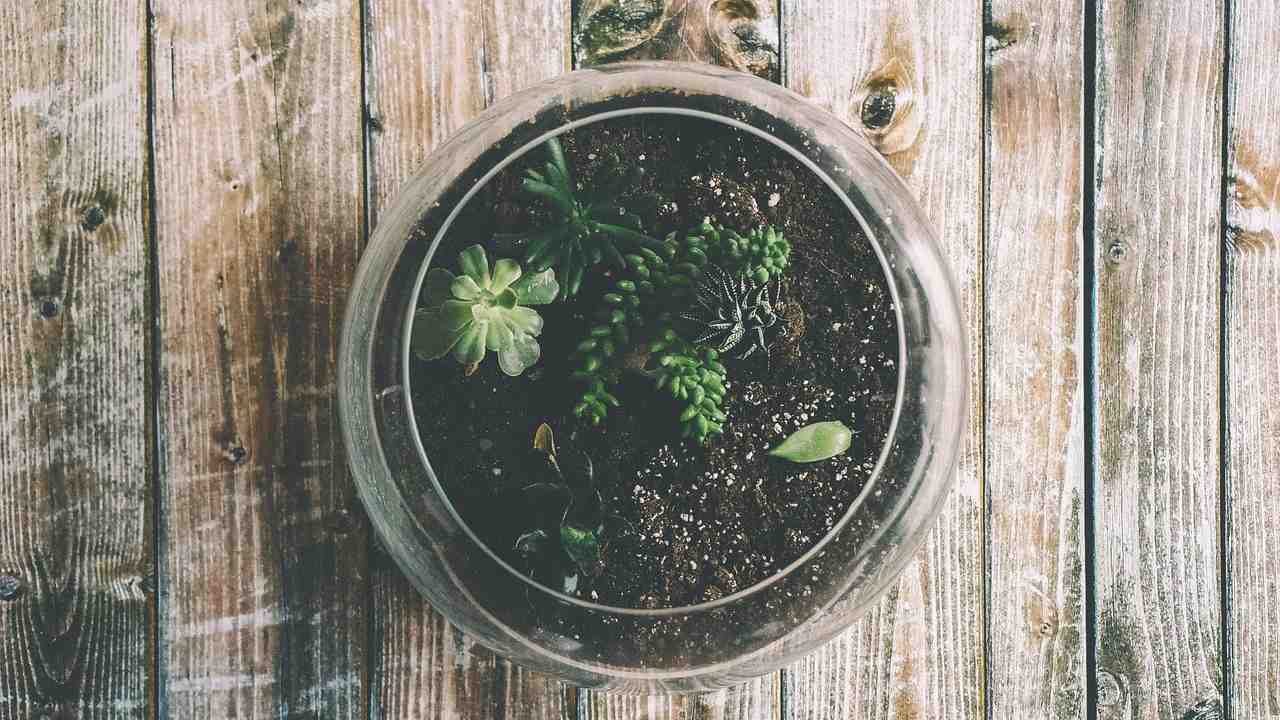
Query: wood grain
point(258, 227)
point(1157, 251)
point(75, 545)
point(1034, 349)
point(739, 34)
point(429, 68)
point(1253, 382)
point(758, 699)
point(908, 74)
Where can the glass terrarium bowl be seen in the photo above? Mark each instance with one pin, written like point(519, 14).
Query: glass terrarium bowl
point(740, 635)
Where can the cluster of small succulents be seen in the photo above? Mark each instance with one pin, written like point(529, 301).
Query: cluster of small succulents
point(672, 310)
point(699, 295)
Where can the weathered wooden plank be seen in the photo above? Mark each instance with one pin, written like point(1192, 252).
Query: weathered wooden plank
point(75, 502)
point(740, 34)
point(1034, 359)
point(1158, 117)
point(258, 228)
point(429, 68)
point(758, 699)
point(909, 75)
point(1253, 334)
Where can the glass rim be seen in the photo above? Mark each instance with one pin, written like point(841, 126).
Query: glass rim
point(406, 362)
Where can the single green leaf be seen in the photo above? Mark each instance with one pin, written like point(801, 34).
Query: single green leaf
point(556, 151)
point(465, 288)
point(549, 192)
point(505, 272)
point(470, 348)
point(815, 442)
point(522, 354)
point(456, 314)
point(432, 339)
point(437, 290)
point(582, 546)
point(499, 337)
point(525, 320)
point(475, 264)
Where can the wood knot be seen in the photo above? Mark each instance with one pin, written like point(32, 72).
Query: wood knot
point(1116, 252)
point(1253, 190)
point(10, 588)
point(342, 522)
point(1110, 691)
point(49, 308)
point(93, 218)
point(236, 454)
point(887, 106)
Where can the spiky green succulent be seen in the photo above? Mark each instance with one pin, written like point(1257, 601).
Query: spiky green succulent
point(590, 225)
point(483, 310)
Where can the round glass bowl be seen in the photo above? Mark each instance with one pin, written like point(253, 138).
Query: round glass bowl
point(698, 647)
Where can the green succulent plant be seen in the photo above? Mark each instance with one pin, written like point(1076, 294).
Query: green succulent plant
point(590, 225)
point(567, 514)
point(815, 442)
point(483, 310)
point(760, 255)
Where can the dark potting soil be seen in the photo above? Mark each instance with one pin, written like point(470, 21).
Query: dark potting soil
point(696, 522)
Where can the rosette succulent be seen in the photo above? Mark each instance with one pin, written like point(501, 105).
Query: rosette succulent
point(483, 310)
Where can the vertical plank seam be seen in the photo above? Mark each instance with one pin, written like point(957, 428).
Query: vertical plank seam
point(366, 210)
point(1092, 8)
point(1224, 360)
point(152, 389)
point(984, 498)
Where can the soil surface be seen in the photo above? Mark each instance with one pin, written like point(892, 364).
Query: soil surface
point(693, 523)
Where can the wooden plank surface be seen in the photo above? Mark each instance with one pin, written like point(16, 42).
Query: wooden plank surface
point(1034, 350)
point(429, 68)
point(1253, 332)
point(258, 218)
point(1157, 252)
point(908, 74)
point(75, 547)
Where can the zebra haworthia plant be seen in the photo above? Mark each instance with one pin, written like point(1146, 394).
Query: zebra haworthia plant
point(483, 310)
